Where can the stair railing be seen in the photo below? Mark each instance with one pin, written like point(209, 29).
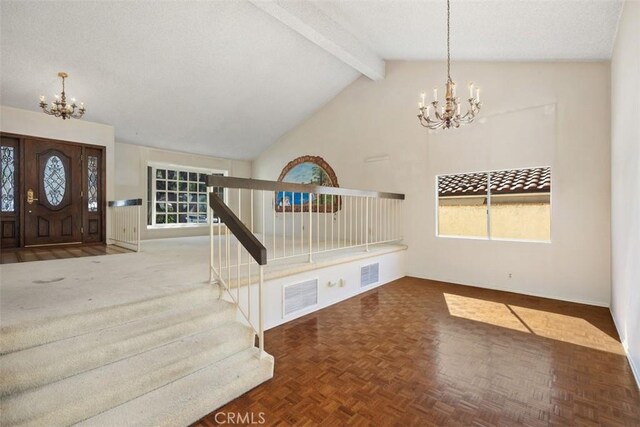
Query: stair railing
point(125, 223)
point(245, 241)
point(293, 220)
point(267, 221)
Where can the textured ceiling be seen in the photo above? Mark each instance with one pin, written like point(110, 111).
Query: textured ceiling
point(523, 30)
point(225, 78)
point(218, 78)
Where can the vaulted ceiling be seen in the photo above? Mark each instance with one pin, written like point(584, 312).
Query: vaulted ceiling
point(497, 30)
point(228, 78)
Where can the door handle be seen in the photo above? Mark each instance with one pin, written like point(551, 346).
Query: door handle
point(30, 198)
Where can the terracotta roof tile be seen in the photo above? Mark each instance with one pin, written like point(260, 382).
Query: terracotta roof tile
point(514, 181)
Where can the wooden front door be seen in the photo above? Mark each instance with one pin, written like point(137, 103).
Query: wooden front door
point(53, 183)
point(9, 192)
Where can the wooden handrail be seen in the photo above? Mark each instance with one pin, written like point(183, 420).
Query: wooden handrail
point(259, 184)
point(125, 202)
point(238, 229)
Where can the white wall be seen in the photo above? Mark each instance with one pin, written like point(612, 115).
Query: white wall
point(34, 123)
point(391, 268)
point(131, 180)
point(537, 114)
point(625, 182)
point(126, 172)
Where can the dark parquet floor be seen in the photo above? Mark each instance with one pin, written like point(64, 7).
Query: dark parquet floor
point(418, 352)
point(10, 256)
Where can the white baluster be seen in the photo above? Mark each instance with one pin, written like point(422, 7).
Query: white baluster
point(332, 219)
point(325, 222)
point(211, 253)
point(350, 221)
point(318, 222)
point(366, 225)
point(260, 311)
point(301, 224)
point(310, 228)
point(264, 224)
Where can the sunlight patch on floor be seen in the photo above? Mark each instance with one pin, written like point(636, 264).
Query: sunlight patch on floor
point(493, 313)
point(574, 330)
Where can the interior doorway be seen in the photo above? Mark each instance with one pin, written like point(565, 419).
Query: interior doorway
point(52, 192)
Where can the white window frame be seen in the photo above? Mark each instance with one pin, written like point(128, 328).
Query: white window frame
point(180, 168)
point(489, 238)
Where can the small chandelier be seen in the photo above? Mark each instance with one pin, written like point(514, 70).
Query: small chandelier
point(59, 107)
point(448, 115)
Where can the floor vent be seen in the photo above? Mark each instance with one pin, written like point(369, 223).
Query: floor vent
point(369, 274)
point(300, 296)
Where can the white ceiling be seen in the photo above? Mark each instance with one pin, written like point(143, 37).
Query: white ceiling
point(511, 30)
point(225, 78)
point(218, 78)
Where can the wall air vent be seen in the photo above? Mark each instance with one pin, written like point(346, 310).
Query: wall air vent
point(369, 274)
point(299, 296)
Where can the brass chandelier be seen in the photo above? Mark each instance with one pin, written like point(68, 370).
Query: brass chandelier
point(59, 107)
point(448, 115)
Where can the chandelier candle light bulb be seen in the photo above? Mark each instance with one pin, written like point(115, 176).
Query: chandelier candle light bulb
point(450, 114)
point(59, 107)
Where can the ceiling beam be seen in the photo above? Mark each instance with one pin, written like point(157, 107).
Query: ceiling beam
point(309, 21)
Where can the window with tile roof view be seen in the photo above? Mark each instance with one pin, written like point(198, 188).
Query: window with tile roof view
point(513, 204)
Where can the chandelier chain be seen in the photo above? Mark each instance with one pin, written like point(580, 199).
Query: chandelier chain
point(448, 41)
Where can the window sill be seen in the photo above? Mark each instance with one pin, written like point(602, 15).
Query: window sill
point(493, 240)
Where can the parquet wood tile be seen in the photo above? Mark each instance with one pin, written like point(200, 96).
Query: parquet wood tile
point(419, 352)
point(9, 256)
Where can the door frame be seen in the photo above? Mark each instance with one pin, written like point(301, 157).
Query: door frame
point(21, 189)
point(12, 218)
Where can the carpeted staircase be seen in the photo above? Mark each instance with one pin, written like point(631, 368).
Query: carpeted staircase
point(165, 361)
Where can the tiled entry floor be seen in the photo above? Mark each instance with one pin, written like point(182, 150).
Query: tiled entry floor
point(10, 256)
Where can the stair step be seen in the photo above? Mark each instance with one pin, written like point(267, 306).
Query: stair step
point(78, 397)
point(25, 335)
point(193, 396)
point(50, 362)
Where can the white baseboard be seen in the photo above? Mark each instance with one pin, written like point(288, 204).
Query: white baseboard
point(517, 291)
point(634, 368)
